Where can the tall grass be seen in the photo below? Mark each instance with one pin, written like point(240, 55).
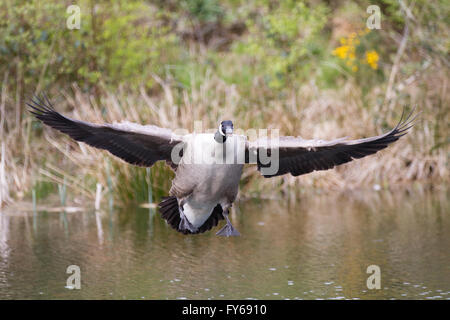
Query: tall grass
point(308, 112)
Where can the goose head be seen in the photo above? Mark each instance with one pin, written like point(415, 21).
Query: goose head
point(225, 130)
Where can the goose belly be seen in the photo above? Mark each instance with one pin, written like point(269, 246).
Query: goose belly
point(220, 187)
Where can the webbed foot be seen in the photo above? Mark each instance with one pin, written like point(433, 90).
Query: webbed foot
point(228, 230)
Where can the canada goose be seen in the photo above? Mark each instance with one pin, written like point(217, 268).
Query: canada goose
point(202, 192)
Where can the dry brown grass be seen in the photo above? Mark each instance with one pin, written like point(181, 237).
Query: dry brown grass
point(28, 155)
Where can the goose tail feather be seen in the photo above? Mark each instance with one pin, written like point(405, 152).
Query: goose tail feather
point(170, 211)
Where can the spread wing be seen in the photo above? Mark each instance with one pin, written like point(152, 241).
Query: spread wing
point(299, 156)
point(136, 144)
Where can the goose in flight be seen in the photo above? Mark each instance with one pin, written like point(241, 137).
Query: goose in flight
point(208, 166)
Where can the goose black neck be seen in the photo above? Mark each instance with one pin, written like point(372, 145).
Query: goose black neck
point(219, 137)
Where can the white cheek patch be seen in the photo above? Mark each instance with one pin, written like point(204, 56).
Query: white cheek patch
point(220, 130)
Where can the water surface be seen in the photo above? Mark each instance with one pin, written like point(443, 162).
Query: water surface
point(318, 247)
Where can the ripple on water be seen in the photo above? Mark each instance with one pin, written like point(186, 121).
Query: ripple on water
point(126, 241)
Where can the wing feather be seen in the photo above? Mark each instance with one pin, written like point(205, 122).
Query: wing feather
point(299, 156)
point(136, 144)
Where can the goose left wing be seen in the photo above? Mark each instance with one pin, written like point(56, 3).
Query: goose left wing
point(136, 144)
point(298, 156)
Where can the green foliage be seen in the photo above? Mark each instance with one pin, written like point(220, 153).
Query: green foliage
point(119, 42)
point(126, 42)
point(133, 43)
point(27, 39)
point(44, 188)
point(204, 10)
point(282, 41)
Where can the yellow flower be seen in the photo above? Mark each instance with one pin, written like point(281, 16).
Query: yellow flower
point(372, 58)
point(341, 51)
point(351, 54)
point(343, 41)
point(355, 68)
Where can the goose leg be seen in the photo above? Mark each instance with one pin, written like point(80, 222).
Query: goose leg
point(184, 222)
point(228, 230)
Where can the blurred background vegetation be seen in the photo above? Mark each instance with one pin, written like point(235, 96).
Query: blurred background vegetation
point(310, 68)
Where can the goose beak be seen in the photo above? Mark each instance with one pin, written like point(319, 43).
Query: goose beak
point(228, 131)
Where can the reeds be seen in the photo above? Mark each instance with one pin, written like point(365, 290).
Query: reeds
point(4, 184)
point(308, 112)
point(4, 188)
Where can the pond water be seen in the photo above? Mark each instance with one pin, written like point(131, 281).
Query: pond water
point(318, 247)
